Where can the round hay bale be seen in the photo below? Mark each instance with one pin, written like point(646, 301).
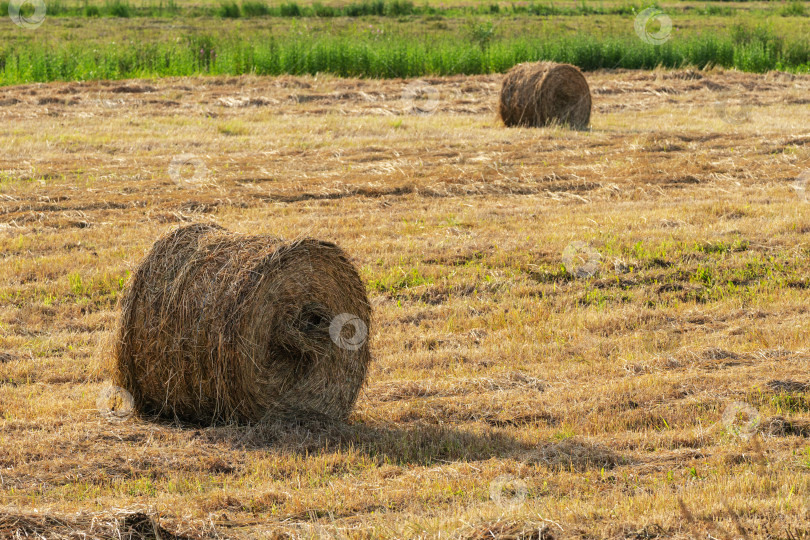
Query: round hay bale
point(543, 93)
point(218, 327)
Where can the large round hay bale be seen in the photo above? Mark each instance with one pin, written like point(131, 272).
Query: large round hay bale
point(543, 93)
point(218, 327)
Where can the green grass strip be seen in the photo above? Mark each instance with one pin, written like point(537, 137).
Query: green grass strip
point(385, 57)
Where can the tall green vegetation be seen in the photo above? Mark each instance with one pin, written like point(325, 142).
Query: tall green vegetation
point(381, 55)
point(361, 8)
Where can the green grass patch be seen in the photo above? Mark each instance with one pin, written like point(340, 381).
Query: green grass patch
point(787, 403)
point(385, 56)
point(233, 127)
point(398, 280)
point(118, 8)
point(795, 8)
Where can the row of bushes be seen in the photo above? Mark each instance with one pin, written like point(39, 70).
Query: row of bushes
point(257, 8)
point(381, 8)
point(109, 8)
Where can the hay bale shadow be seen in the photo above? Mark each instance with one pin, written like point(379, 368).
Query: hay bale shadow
point(421, 444)
point(140, 526)
point(787, 386)
point(507, 530)
point(779, 426)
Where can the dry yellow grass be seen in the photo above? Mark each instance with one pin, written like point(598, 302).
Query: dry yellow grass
point(506, 397)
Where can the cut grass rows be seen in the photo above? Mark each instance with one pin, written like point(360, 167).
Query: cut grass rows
point(491, 361)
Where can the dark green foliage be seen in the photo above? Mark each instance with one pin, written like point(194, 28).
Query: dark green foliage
point(118, 8)
point(397, 8)
point(321, 10)
point(53, 8)
point(367, 7)
point(255, 8)
point(361, 8)
point(290, 9)
point(229, 10)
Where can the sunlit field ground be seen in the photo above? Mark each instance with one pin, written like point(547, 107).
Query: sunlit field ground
point(598, 334)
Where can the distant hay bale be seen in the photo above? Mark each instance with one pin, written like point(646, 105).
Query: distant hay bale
point(218, 327)
point(544, 93)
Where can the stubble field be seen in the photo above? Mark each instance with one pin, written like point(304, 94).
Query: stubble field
point(653, 385)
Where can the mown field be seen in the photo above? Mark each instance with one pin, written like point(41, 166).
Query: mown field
point(576, 334)
point(506, 393)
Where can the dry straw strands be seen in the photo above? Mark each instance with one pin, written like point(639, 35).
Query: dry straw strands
point(220, 327)
point(545, 93)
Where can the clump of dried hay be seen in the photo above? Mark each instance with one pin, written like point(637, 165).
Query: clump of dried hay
point(123, 526)
point(218, 327)
point(543, 93)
